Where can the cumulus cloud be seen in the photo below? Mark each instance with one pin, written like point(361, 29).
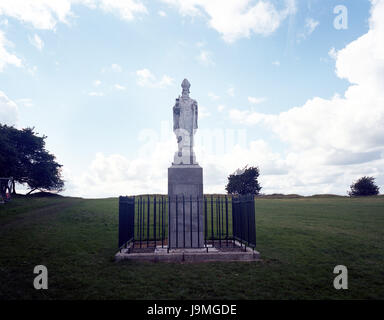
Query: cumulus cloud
point(114, 67)
point(203, 112)
point(36, 42)
point(8, 110)
point(5, 56)
point(96, 94)
point(205, 58)
point(231, 91)
point(220, 108)
point(145, 78)
point(216, 149)
point(119, 87)
point(26, 102)
point(326, 135)
point(235, 19)
point(311, 24)
point(255, 100)
point(213, 96)
point(42, 14)
point(46, 14)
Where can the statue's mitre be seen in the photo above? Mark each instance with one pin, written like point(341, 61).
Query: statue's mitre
point(185, 85)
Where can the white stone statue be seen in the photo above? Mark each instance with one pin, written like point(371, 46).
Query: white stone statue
point(184, 126)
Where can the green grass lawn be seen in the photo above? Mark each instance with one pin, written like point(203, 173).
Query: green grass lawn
point(301, 240)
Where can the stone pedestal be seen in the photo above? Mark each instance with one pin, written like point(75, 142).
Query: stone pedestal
point(186, 216)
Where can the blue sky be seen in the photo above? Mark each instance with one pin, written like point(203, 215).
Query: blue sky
point(100, 77)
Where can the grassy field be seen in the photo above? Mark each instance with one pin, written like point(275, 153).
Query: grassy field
point(301, 240)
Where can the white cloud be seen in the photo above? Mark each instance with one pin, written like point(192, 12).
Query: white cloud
point(115, 67)
point(8, 110)
point(255, 100)
point(142, 174)
point(146, 78)
point(235, 19)
point(32, 70)
point(5, 56)
point(311, 25)
point(332, 53)
point(162, 13)
point(96, 83)
point(334, 141)
point(42, 14)
point(220, 108)
point(36, 42)
point(231, 91)
point(96, 94)
point(45, 14)
point(200, 44)
point(203, 112)
point(213, 96)
point(26, 102)
point(276, 63)
point(205, 58)
point(126, 9)
point(119, 87)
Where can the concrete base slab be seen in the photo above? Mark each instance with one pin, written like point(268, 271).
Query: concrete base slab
point(207, 254)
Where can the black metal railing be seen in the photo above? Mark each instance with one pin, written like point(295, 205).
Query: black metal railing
point(147, 222)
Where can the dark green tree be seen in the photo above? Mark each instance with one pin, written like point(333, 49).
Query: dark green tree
point(365, 186)
point(244, 183)
point(23, 156)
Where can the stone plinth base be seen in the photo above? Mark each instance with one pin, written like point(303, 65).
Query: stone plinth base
point(186, 216)
point(206, 254)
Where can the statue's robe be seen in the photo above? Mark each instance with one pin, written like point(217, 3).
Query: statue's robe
point(185, 113)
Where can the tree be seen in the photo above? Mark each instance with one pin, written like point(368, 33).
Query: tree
point(23, 156)
point(365, 186)
point(244, 182)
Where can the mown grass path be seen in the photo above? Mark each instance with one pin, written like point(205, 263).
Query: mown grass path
point(300, 240)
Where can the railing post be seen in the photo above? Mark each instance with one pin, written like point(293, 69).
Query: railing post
point(190, 214)
point(154, 219)
point(205, 222)
point(198, 221)
point(148, 208)
point(226, 220)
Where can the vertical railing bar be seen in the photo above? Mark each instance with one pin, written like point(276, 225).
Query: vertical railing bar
point(248, 216)
point(140, 219)
point(177, 223)
point(148, 205)
point(190, 213)
point(213, 241)
point(218, 218)
point(222, 216)
point(198, 221)
point(206, 222)
point(162, 222)
point(183, 221)
point(154, 219)
point(226, 216)
point(169, 221)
